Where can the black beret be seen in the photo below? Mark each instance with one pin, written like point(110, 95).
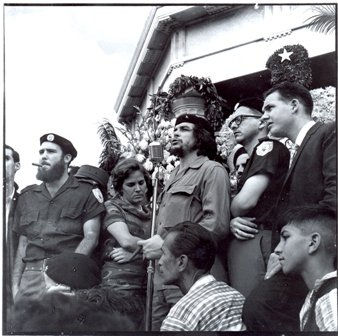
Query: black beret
point(65, 144)
point(196, 120)
point(75, 270)
point(252, 102)
point(99, 175)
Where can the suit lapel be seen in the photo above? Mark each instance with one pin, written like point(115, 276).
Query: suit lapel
point(310, 132)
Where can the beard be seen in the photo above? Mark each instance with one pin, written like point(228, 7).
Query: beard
point(52, 174)
point(178, 151)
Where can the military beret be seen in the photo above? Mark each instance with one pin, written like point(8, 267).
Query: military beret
point(99, 175)
point(194, 119)
point(65, 144)
point(75, 270)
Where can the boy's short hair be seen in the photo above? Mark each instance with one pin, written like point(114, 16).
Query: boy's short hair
point(315, 219)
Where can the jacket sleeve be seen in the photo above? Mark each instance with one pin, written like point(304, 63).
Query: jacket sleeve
point(215, 197)
point(329, 148)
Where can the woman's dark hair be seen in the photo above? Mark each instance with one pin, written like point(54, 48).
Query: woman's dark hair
point(196, 242)
point(205, 142)
point(123, 170)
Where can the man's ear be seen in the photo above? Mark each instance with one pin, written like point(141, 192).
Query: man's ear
point(315, 241)
point(67, 158)
point(17, 166)
point(295, 105)
point(183, 262)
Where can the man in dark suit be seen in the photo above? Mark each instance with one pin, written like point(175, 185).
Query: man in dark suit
point(11, 239)
point(274, 305)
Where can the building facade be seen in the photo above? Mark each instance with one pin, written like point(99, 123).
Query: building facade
point(230, 44)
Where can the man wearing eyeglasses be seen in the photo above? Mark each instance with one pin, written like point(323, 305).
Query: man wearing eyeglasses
point(258, 190)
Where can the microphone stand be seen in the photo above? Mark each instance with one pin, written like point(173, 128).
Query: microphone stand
point(151, 263)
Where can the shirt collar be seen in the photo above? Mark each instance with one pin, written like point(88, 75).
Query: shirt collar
point(302, 133)
point(71, 182)
point(327, 276)
point(205, 279)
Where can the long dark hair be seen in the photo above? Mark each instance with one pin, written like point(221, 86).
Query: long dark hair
point(205, 142)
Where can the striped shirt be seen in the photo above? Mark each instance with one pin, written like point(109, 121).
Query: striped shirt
point(326, 307)
point(209, 305)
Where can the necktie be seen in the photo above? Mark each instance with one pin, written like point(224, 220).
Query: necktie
point(293, 152)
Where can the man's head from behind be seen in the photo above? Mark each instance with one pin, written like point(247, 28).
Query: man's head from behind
point(188, 249)
point(245, 121)
point(12, 160)
point(283, 104)
point(309, 235)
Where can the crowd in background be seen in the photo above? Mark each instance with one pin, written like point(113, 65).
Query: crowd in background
point(260, 257)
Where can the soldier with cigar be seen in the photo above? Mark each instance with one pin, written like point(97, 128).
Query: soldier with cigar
point(61, 214)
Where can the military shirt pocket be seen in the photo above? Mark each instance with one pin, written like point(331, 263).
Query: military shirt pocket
point(71, 221)
point(29, 224)
point(179, 207)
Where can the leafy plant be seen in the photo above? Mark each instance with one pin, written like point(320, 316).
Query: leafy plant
point(325, 19)
point(216, 105)
point(297, 69)
point(111, 146)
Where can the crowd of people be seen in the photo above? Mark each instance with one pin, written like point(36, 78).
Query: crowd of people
point(260, 258)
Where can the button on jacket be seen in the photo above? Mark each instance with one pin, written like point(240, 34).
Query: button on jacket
point(201, 194)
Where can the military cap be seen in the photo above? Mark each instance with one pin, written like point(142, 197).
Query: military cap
point(255, 105)
point(99, 175)
point(65, 144)
point(75, 270)
point(194, 119)
point(252, 103)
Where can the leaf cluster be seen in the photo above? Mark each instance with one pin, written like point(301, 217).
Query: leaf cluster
point(298, 69)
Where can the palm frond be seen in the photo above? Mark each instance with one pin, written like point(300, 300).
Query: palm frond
point(111, 146)
point(325, 19)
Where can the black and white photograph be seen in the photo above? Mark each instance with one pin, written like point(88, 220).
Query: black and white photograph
point(169, 167)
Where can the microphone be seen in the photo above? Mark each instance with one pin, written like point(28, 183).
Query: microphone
point(156, 151)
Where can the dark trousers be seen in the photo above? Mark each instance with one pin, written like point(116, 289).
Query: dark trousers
point(274, 305)
point(247, 260)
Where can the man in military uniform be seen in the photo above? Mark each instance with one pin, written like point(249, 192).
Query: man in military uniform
point(258, 190)
point(198, 190)
point(61, 214)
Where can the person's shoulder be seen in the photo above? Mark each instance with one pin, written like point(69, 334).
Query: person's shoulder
point(29, 188)
point(227, 290)
point(325, 128)
point(211, 164)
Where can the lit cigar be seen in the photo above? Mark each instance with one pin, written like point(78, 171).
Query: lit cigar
point(36, 164)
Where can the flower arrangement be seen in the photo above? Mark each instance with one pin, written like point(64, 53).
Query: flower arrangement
point(324, 104)
point(290, 63)
point(225, 141)
point(216, 105)
point(150, 127)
